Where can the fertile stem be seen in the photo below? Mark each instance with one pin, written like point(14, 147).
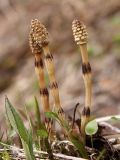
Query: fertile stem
point(39, 68)
point(80, 36)
point(51, 72)
point(41, 38)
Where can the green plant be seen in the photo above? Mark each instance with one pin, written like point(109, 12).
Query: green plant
point(91, 128)
point(72, 135)
point(19, 127)
point(26, 136)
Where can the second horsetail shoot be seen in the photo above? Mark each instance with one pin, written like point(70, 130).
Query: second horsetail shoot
point(80, 35)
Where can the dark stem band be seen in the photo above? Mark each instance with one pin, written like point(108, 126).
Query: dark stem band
point(86, 111)
point(49, 56)
point(60, 111)
point(39, 63)
point(53, 85)
point(86, 68)
point(44, 92)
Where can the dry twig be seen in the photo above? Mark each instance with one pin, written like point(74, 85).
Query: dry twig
point(17, 153)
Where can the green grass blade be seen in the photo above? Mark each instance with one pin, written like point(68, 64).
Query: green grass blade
point(78, 144)
point(37, 113)
point(27, 150)
point(30, 121)
point(15, 120)
point(19, 127)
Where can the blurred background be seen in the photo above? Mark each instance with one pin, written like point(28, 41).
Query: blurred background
point(17, 77)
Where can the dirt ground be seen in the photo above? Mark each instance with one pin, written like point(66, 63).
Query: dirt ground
point(17, 77)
